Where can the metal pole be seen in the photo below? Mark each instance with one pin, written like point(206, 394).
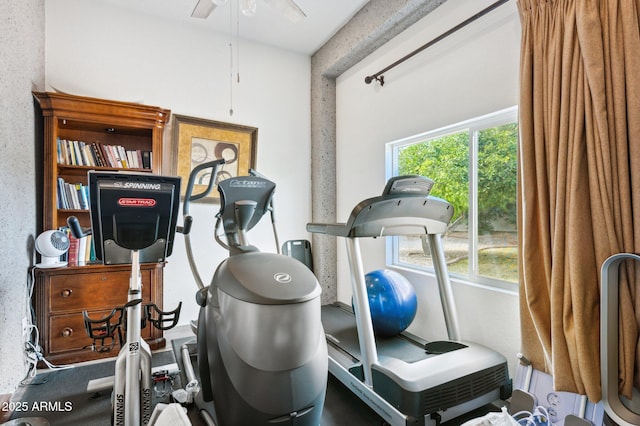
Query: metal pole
point(380, 78)
point(132, 380)
point(444, 286)
point(366, 338)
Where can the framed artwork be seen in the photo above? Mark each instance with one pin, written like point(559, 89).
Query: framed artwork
point(196, 141)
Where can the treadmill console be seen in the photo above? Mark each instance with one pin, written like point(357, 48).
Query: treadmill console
point(403, 185)
point(404, 208)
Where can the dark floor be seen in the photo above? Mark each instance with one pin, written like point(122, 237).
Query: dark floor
point(342, 407)
point(68, 402)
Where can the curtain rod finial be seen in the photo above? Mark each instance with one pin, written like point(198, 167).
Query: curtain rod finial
point(380, 79)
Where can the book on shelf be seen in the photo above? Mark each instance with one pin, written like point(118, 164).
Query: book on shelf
point(61, 196)
point(96, 154)
point(74, 248)
point(81, 250)
point(147, 159)
point(139, 160)
point(72, 196)
point(83, 196)
point(133, 159)
point(90, 254)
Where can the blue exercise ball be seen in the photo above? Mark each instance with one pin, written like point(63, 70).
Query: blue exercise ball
point(392, 301)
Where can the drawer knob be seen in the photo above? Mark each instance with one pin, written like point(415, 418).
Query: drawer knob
point(66, 292)
point(66, 332)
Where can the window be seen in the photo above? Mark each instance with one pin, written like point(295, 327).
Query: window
point(474, 167)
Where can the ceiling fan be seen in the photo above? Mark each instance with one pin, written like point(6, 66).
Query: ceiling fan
point(288, 8)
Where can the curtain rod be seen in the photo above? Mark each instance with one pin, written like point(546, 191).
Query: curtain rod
point(379, 77)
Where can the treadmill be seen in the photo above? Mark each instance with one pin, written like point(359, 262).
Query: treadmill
point(404, 379)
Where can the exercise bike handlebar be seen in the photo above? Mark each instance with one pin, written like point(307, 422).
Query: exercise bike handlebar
point(186, 226)
point(76, 230)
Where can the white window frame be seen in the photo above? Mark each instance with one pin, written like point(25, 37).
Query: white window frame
point(473, 126)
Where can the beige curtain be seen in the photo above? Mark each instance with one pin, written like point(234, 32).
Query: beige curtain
point(579, 182)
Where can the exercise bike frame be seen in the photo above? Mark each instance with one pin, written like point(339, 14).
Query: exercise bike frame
point(132, 386)
point(132, 378)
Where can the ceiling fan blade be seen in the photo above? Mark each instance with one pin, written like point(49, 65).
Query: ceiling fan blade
point(203, 9)
point(288, 8)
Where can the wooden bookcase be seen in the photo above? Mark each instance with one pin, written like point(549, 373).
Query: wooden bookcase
point(61, 294)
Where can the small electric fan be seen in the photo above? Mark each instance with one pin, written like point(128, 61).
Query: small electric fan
point(51, 245)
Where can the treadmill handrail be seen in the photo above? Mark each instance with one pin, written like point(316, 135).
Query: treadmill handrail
point(391, 215)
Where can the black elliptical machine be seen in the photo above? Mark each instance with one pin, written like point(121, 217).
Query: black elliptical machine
point(261, 349)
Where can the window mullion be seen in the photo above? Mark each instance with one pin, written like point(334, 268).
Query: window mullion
point(473, 202)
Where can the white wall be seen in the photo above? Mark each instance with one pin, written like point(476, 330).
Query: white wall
point(97, 50)
point(471, 73)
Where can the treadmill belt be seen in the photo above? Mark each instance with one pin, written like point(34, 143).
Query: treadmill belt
point(340, 327)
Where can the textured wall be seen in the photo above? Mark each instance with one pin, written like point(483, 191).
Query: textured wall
point(375, 24)
point(21, 71)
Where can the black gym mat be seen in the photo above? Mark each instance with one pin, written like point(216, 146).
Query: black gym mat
point(60, 395)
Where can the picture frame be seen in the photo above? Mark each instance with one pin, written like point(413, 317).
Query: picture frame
point(197, 140)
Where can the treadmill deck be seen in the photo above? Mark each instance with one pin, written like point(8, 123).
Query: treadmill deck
point(412, 380)
point(340, 328)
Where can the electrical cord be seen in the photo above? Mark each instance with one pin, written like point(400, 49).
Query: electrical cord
point(31, 337)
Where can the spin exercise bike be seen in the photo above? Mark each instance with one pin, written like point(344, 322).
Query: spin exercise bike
point(261, 349)
point(406, 380)
point(133, 220)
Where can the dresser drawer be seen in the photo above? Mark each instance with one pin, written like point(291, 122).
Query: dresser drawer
point(90, 291)
point(66, 332)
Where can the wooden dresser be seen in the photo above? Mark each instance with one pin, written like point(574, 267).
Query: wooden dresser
point(60, 296)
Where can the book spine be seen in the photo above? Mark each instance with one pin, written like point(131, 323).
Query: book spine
point(146, 159)
point(89, 249)
point(83, 200)
point(74, 246)
point(82, 248)
point(106, 155)
point(62, 196)
point(114, 157)
point(95, 150)
point(77, 157)
point(60, 158)
point(74, 203)
point(139, 159)
point(123, 157)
